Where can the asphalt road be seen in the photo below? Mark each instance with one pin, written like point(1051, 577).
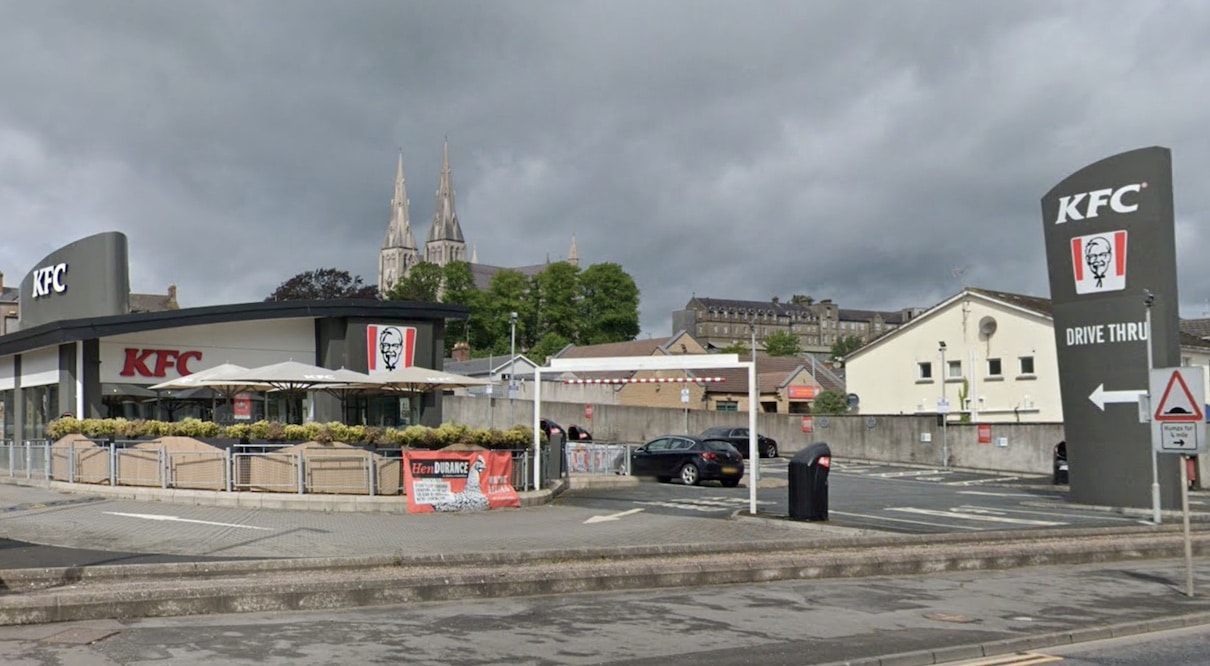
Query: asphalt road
point(776, 623)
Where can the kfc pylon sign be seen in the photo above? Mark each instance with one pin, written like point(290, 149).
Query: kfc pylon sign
point(157, 362)
point(1088, 205)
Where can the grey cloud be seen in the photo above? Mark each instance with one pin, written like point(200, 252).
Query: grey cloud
point(860, 151)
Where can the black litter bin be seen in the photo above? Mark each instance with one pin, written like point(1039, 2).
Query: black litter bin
point(809, 482)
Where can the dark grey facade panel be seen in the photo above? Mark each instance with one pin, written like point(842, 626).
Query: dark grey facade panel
point(71, 330)
point(87, 278)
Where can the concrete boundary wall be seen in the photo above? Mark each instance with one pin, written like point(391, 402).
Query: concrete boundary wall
point(910, 439)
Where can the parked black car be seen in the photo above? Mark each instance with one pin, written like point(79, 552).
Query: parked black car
point(554, 431)
point(576, 433)
point(766, 447)
point(1060, 463)
point(691, 459)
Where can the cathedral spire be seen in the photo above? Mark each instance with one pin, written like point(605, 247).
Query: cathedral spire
point(445, 243)
point(399, 230)
point(399, 252)
point(573, 255)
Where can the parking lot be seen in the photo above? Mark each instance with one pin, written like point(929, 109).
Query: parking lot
point(882, 497)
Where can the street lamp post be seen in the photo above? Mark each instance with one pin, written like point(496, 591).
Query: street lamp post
point(944, 409)
point(512, 363)
point(1148, 299)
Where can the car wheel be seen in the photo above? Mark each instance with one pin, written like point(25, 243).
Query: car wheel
point(730, 483)
point(689, 474)
point(770, 450)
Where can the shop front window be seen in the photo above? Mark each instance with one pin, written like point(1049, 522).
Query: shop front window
point(41, 407)
point(6, 415)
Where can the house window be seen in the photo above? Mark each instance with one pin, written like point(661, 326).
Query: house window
point(993, 367)
point(727, 406)
point(1027, 365)
point(953, 369)
point(924, 370)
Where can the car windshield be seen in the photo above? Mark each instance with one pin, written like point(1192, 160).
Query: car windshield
point(718, 445)
point(716, 431)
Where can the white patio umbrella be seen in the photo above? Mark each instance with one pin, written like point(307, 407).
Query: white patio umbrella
point(218, 379)
point(415, 379)
point(221, 379)
point(293, 378)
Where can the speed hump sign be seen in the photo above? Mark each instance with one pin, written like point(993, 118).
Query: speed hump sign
point(1178, 410)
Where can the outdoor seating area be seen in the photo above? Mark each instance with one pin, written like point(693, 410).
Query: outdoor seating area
point(278, 391)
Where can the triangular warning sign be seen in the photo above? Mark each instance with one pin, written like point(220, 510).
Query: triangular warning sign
point(1178, 405)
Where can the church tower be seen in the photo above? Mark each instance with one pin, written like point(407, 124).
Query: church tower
point(445, 244)
point(399, 252)
point(573, 254)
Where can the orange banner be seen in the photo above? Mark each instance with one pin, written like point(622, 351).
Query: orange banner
point(458, 481)
point(802, 392)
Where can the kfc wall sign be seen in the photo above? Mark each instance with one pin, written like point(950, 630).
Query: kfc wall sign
point(389, 347)
point(49, 280)
point(157, 362)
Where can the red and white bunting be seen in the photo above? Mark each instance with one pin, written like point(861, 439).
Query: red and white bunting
point(649, 380)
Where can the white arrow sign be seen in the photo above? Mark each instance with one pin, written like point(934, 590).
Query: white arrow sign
point(612, 516)
point(175, 519)
point(1100, 396)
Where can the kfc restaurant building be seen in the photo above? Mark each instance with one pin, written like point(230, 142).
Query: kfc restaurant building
point(79, 349)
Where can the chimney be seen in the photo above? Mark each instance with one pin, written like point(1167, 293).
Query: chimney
point(172, 297)
point(462, 351)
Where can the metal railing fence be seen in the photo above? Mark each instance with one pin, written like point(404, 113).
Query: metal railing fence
point(240, 468)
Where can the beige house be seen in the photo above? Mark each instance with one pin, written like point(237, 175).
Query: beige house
point(786, 385)
point(999, 362)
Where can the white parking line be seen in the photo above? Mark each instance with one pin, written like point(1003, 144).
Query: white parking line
point(1057, 514)
point(177, 519)
point(975, 514)
point(975, 482)
point(889, 519)
point(978, 492)
point(908, 474)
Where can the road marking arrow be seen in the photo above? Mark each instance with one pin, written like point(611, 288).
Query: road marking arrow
point(1100, 396)
point(176, 519)
point(612, 516)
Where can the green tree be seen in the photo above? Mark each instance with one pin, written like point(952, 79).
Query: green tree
point(830, 402)
point(555, 298)
point(422, 283)
point(323, 284)
point(845, 345)
point(735, 348)
point(609, 311)
point(458, 288)
point(782, 343)
point(550, 344)
point(489, 323)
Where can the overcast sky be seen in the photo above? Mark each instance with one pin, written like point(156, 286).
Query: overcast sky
point(879, 153)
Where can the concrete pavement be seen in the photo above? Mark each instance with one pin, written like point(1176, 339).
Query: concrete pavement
point(332, 559)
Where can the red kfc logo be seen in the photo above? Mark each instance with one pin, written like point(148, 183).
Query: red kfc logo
point(160, 360)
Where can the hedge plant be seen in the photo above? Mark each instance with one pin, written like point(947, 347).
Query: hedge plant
point(414, 436)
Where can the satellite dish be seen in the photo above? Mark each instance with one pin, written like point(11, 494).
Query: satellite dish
point(987, 326)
